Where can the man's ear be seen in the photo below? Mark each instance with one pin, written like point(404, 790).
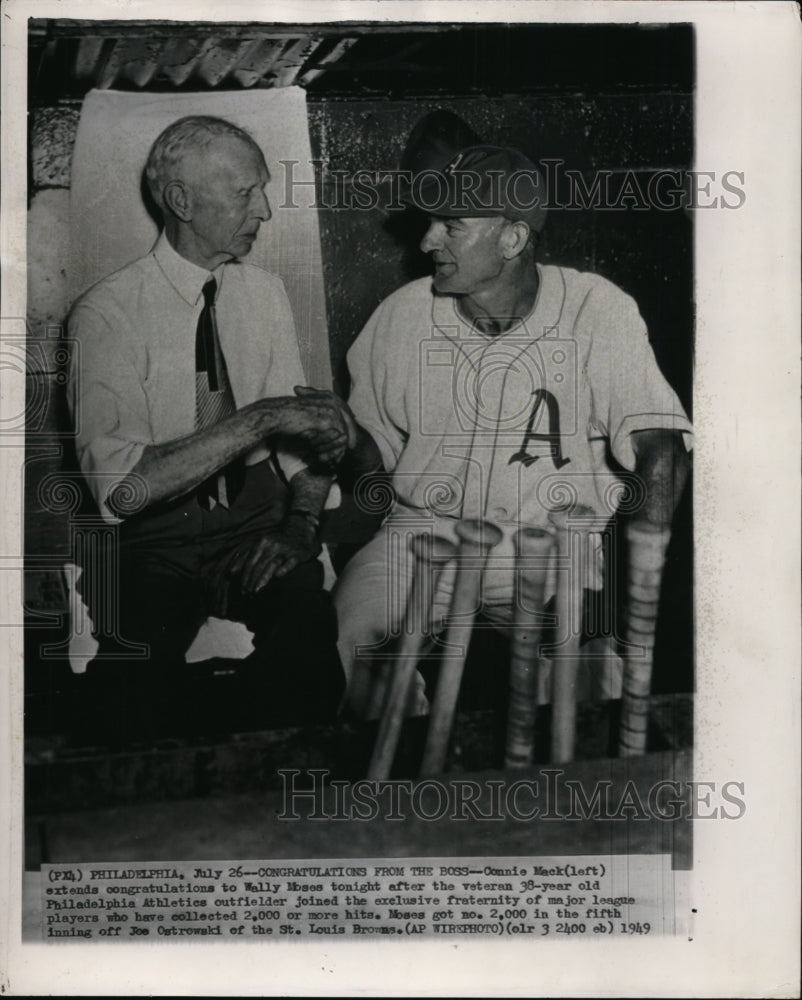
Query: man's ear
point(178, 198)
point(514, 239)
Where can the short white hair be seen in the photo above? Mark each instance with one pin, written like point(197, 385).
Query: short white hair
point(190, 134)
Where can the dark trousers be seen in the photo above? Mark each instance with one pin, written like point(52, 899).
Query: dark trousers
point(168, 584)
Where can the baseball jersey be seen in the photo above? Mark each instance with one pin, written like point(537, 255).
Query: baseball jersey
point(513, 426)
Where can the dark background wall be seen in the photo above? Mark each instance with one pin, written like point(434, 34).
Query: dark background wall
point(612, 98)
point(648, 252)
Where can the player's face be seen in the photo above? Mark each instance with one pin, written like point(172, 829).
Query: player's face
point(228, 199)
point(466, 253)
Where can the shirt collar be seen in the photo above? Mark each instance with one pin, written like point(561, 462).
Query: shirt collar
point(186, 278)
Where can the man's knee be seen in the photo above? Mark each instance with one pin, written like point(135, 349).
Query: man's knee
point(306, 577)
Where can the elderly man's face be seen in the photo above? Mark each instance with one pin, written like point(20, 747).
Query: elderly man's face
point(227, 182)
point(466, 253)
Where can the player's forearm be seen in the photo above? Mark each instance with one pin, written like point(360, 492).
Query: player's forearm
point(308, 491)
point(364, 456)
point(176, 467)
point(663, 465)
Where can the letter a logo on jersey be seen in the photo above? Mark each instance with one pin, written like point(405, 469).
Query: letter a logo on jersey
point(543, 397)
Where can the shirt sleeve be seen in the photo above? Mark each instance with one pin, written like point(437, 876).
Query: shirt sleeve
point(285, 372)
point(629, 392)
point(284, 369)
point(107, 404)
point(369, 367)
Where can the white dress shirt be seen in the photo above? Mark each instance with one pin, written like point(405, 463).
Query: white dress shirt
point(132, 381)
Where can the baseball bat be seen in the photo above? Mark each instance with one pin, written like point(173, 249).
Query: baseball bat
point(647, 545)
point(572, 529)
point(477, 538)
point(532, 549)
point(431, 554)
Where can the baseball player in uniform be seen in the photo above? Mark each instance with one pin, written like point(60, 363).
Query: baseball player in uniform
point(502, 389)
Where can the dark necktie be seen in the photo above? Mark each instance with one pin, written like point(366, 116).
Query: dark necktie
point(214, 398)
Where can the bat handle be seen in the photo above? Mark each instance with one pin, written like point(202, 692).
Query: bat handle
point(477, 538)
point(572, 528)
point(533, 548)
point(647, 544)
point(431, 553)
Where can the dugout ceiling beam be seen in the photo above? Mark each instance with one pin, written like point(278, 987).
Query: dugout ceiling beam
point(346, 60)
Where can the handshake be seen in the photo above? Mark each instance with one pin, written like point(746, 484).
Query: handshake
point(316, 419)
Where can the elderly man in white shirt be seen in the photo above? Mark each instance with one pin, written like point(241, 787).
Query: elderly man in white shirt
point(192, 440)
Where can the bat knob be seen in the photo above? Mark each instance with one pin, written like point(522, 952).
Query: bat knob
point(432, 549)
point(532, 540)
point(483, 534)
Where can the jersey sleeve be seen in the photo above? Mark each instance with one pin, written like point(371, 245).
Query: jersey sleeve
point(107, 403)
point(629, 392)
point(370, 365)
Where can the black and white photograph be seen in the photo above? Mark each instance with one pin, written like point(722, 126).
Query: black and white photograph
point(389, 512)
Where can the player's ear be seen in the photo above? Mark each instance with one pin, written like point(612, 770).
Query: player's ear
point(178, 198)
point(514, 239)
